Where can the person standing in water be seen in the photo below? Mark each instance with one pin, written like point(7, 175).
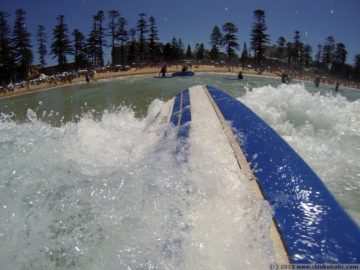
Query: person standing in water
point(337, 86)
point(284, 78)
point(240, 76)
point(317, 81)
point(163, 71)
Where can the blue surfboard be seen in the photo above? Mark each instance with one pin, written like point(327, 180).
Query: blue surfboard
point(312, 226)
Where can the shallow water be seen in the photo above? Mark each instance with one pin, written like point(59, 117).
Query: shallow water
point(90, 181)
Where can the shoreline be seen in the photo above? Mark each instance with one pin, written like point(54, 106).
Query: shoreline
point(150, 70)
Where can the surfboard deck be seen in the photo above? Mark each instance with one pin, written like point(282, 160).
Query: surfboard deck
point(305, 212)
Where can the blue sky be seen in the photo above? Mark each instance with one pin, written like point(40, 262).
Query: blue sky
point(193, 20)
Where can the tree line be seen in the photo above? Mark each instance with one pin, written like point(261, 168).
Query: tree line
point(140, 44)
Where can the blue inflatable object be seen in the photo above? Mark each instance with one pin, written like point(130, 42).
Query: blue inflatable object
point(183, 74)
point(166, 77)
point(233, 79)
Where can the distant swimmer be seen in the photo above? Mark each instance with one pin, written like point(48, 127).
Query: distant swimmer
point(240, 76)
point(337, 86)
point(284, 78)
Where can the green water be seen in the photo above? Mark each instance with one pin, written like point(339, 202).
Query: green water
point(69, 103)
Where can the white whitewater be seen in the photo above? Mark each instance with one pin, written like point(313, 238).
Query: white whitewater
point(109, 194)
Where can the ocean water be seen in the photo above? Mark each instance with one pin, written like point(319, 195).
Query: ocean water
point(89, 180)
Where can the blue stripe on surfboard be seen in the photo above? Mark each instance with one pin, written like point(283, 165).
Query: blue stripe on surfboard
point(181, 114)
point(314, 228)
point(176, 110)
point(185, 116)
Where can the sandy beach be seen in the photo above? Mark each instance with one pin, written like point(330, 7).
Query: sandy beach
point(141, 71)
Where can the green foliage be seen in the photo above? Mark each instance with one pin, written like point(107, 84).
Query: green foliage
point(216, 41)
point(60, 46)
point(356, 71)
point(153, 38)
point(122, 36)
point(22, 52)
point(230, 39)
point(259, 39)
point(41, 41)
point(328, 51)
point(244, 56)
point(135, 46)
point(142, 28)
point(6, 55)
point(113, 25)
point(199, 51)
point(79, 49)
point(189, 54)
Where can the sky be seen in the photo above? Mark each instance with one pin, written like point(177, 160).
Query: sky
point(193, 20)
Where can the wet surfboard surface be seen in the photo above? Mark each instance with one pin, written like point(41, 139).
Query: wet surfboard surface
point(308, 223)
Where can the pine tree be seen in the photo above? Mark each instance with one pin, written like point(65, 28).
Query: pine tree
point(99, 35)
point(259, 39)
point(132, 57)
point(230, 39)
point(318, 56)
point(339, 58)
point(122, 36)
point(244, 56)
point(21, 44)
point(153, 37)
point(174, 49)
point(6, 56)
point(60, 46)
point(79, 49)
point(168, 54)
point(142, 28)
point(356, 69)
point(307, 51)
point(328, 52)
point(189, 52)
point(41, 39)
point(289, 52)
point(113, 25)
point(280, 51)
point(180, 48)
point(200, 51)
point(91, 45)
point(216, 40)
point(297, 50)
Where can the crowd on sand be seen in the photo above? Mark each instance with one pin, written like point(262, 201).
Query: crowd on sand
point(45, 82)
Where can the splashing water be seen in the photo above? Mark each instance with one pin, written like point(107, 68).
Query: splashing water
point(110, 194)
point(323, 129)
